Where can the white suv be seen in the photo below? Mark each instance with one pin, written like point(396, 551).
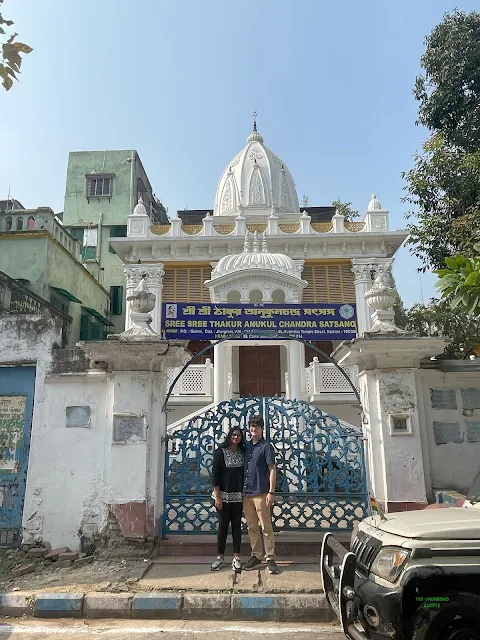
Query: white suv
point(409, 576)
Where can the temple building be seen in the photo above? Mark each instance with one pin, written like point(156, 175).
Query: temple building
point(257, 246)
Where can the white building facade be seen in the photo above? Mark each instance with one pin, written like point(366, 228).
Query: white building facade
point(257, 246)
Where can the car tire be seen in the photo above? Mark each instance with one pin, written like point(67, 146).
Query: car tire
point(460, 614)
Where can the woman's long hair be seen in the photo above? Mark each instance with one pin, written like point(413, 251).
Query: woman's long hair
point(228, 439)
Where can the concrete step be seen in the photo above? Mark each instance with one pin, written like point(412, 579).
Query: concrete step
point(293, 577)
point(204, 560)
point(287, 544)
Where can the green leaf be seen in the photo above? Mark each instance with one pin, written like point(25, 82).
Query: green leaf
point(473, 280)
point(474, 305)
point(7, 81)
point(24, 48)
point(457, 300)
point(453, 263)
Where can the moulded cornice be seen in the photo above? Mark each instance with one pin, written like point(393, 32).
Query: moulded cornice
point(297, 246)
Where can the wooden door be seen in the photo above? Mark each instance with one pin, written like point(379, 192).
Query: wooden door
point(259, 371)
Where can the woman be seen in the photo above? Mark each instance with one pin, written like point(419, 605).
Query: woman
point(227, 480)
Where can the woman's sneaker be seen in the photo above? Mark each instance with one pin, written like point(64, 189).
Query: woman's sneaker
point(236, 565)
point(217, 564)
point(252, 563)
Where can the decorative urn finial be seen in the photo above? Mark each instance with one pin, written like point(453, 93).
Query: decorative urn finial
point(381, 298)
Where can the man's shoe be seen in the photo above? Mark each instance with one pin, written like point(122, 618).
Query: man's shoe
point(272, 566)
point(252, 563)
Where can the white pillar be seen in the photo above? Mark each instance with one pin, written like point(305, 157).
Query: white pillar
point(296, 369)
point(394, 421)
point(219, 373)
point(154, 279)
point(363, 281)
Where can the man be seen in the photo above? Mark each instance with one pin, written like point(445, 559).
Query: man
point(258, 495)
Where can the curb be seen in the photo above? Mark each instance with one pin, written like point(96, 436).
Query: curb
point(285, 607)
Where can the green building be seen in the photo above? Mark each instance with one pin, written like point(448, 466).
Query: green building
point(102, 189)
point(39, 254)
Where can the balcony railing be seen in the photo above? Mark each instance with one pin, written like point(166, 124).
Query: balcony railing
point(16, 299)
point(197, 380)
point(40, 220)
point(326, 378)
point(320, 378)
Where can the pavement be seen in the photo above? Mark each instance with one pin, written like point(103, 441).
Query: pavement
point(186, 589)
point(32, 629)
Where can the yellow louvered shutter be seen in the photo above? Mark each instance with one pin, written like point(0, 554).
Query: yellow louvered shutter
point(328, 283)
point(185, 284)
point(347, 284)
point(309, 292)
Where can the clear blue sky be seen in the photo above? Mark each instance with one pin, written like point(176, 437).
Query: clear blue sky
point(331, 80)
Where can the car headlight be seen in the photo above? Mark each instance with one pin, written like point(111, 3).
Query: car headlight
point(389, 562)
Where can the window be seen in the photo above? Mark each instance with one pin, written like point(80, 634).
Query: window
point(60, 302)
point(118, 231)
point(328, 283)
point(91, 328)
point(116, 301)
point(88, 237)
point(8, 223)
point(19, 224)
point(77, 233)
point(99, 186)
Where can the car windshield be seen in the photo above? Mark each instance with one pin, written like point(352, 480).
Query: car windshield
point(473, 494)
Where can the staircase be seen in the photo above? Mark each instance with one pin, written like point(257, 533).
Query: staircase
point(303, 547)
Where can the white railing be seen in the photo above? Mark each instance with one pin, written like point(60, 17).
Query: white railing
point(197, 380)
point(320, 377)
point(326, 378)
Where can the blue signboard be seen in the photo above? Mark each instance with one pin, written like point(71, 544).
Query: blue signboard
point(208, 321)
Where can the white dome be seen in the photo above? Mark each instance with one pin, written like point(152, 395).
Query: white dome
point(256, 182)
point(255, 259)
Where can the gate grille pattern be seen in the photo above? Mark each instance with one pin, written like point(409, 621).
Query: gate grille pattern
point(320, 467)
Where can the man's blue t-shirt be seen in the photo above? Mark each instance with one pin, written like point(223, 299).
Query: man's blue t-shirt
point(257, 458)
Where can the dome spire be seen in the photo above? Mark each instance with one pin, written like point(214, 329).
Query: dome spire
point(255, 136)
point(264, 243)
point(246, 244)
point(255, 242)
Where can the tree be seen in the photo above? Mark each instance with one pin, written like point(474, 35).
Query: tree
point(460, 283)
point(305, 201)
point(401, 316)
point(449, 89)
point(438, 319)
point(10, 58)
point(345, 209)
point(444, 184)
point(444, 187)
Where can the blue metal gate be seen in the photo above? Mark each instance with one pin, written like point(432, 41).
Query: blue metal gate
point(321, 479)
point(16, 409)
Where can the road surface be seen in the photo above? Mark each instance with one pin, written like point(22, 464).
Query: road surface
point(35, 629)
